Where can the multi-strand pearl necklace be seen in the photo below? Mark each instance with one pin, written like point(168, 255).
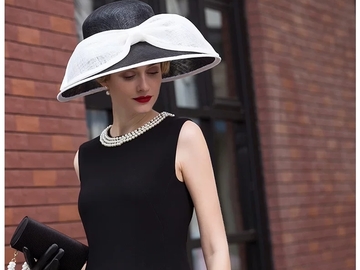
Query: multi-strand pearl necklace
point(108, 141)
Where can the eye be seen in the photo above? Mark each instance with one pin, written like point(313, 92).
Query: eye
point(128, 76)
point(153, 71)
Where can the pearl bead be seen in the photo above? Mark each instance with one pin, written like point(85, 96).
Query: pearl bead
point(108, 141)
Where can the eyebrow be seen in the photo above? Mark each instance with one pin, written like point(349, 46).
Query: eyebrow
point(145, 66)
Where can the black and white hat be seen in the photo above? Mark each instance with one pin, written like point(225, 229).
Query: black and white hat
point(126, 34)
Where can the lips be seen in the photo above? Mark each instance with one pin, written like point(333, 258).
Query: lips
point(143, 99)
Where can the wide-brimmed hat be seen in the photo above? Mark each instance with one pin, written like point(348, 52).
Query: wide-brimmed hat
point(126, 34)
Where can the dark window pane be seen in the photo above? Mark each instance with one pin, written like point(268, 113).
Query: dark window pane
point(219, 35)
point(186, 91)
point(226, 175)
point(237, 257)
point(97, 121)
point(198, 259)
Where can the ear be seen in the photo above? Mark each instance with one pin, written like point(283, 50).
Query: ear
point(102, 83)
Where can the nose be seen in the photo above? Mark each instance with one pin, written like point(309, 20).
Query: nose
point(143, 84)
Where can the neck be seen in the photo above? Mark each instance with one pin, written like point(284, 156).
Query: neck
point(125, 122)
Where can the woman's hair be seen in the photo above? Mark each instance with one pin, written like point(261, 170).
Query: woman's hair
point(164, 66)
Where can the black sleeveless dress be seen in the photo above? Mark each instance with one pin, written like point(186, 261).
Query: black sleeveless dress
point(134, 210)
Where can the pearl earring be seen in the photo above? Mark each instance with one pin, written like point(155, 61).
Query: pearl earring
point(107, 91)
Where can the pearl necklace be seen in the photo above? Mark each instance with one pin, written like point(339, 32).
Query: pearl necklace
point(108, 141)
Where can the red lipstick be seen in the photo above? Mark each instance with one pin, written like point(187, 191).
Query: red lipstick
point(143, 99)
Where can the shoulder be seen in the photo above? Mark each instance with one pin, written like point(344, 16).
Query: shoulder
point(190, 132)
point(85, 146)
point(90, 143)
point(171, 126)
point(191, 150)
point(191, 138)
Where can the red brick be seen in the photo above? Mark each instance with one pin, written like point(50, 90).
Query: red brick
point(28, 35)
point(71, 110)
point(27, 123)
point(48, 125)
point(17, 178)
point(41, 107)
point(11, 32)
point(21, 87)
point(36, 54)
point(38, 20)
point(25, 70)
point(62, 25)
point(67, 177)
point(40, 196)
point(58, 40)
point(302, 224)
point(40, 177)
point(68, 212)
point(45, 214)
point(44, 177)
point(62, 126)
point(43, 38)
point(52, 7)
point(37, 160)
point(63, 143)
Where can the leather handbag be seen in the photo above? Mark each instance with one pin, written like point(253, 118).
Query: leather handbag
point(38, 237)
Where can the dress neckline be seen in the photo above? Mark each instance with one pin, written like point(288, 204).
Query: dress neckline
point(108, 141)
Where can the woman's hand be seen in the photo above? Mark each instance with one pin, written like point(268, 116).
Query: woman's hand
point(48, 261)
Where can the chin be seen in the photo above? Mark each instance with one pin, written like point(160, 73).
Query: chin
point(144, 108)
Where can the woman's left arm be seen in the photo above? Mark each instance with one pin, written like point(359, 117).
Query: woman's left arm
point(194, 163)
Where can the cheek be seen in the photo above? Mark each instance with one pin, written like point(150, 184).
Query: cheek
point(157, 84)
point(156, 88)
point(121, 87)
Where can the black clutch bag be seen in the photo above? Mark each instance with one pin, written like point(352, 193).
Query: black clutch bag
point(38, 237)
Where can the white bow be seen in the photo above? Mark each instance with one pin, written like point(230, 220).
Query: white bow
point(102, 50)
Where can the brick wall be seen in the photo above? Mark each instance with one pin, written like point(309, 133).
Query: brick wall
point(303, 59)
point(41, 134)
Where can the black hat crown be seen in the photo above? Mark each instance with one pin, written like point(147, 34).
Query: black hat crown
point(117, 15)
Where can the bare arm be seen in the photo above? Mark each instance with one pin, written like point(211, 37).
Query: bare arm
point(76, 164)
point(194, 163)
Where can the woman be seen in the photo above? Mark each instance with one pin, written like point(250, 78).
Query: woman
point(142, 177)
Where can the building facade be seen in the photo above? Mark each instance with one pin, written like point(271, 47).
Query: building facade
point(278, 114)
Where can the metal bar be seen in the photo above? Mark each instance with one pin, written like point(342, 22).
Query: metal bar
point(239, 238)
point(217, 3)
point(209, 113)
point(264, 259)
point(228, 104)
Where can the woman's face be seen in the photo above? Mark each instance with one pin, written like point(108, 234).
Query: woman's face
point(135, 90)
